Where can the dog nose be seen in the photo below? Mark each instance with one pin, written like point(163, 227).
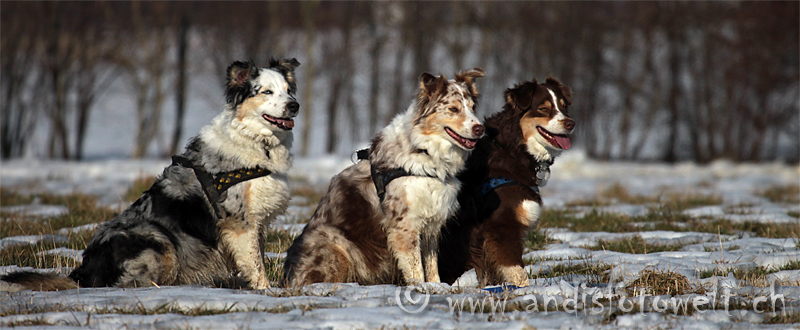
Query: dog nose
point(477, 130)
point(569, 124)
point(293, 107)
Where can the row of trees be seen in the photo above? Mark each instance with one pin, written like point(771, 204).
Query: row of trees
point(652, 80)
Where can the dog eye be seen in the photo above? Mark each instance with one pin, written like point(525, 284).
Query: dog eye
point(453, 109)
point(267, 92)
point(542, 109)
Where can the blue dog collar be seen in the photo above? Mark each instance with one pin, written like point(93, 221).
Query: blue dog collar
point(494, 183)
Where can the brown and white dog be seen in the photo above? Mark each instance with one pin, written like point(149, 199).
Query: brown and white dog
point(500, 198)
point(362, 233)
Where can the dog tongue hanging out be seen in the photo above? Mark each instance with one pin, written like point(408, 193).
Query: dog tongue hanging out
point(380, 220)
point(204, 218)
point(545, 123)
point(500, 198)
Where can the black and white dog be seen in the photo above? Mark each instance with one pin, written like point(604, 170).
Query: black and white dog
point(205, 216)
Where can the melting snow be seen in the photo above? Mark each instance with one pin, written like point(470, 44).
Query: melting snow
point(345, 306)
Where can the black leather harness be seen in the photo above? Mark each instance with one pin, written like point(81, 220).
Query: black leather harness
point(215, 185)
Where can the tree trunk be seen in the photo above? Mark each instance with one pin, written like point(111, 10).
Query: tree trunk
point(180, 94)
point(309, 11)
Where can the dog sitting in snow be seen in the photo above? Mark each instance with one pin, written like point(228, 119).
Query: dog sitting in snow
point(385, 213)
point(205, 216)
point(500, 198)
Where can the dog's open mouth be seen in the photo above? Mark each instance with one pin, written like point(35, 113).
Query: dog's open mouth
point(557, 140)
point(286, 124)
point(464, 142)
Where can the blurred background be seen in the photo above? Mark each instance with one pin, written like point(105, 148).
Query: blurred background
point(652, 81)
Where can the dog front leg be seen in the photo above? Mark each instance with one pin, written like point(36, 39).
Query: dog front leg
point(243, 244)
point(404, 242)
point(430, 258)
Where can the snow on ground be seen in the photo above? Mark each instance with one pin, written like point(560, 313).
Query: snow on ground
point(345, 306)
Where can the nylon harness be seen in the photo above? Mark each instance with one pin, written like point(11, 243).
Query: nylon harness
point(381, 179)
point(214, 186)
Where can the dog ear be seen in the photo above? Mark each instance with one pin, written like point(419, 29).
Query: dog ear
point(286, 67)
point(238, 86)
point(430, 84)
point(239, 72)
point(468, 78)
point(565, 90)
point(521, 96)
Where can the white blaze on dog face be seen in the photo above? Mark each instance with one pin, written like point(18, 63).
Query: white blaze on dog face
point(263, 99)
point(448, 109)
point(271, 102)
point(546, 125)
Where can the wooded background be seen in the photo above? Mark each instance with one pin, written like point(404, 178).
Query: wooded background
point(663, 81)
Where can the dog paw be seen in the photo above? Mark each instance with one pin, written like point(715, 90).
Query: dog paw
point(432, 288)
point(413, 281)
point(266, 132)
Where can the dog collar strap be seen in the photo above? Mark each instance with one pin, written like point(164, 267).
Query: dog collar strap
point(496, 182)
point(500, 182)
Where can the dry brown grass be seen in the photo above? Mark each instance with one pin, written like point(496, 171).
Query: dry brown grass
point(614, 194)
point(139, 186)
point(658, 282)
point(782, 193)
point(82, 208)
point(634, 245)
point(597, 271)
point(783, 317)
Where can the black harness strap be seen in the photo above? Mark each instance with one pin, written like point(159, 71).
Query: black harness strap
point(215, 185)
point(381, 179)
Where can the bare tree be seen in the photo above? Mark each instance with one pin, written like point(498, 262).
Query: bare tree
point(181, 84)
point(145, 63)
point(309, 10)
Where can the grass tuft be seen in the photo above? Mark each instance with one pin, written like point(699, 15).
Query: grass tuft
point(782, 193)
point(83, 210)
point(663, 217)
point(784, 318)
point(658, 282)
point(749, 277)
point(633, 245)
point(613, 194)
point(598, 271)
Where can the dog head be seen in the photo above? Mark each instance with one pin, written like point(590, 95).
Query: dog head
point(543, 117)
point(445, 109)
point(263, 98)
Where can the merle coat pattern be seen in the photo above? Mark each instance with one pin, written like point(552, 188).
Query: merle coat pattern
point(172, 234)
point(353, 236)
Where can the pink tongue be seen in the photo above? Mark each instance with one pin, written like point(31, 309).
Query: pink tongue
point(290, 124)
point(469, 143)
point(562, 141)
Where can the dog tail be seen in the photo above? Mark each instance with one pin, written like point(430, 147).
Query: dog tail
point(22, 280)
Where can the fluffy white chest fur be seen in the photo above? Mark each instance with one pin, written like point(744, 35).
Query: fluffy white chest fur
point(429, 200)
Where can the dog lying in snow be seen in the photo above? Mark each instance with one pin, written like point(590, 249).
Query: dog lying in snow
point(205, 215)
point(385, 213)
